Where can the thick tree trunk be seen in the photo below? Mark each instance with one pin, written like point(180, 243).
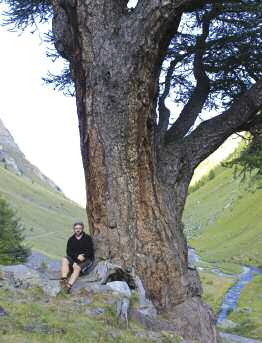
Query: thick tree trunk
point(129, 208)
point(134, 198)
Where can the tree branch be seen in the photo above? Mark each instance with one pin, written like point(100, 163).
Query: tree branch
point(159, 19)
point(155, 12)
point(196, 102)
point(210, 134)
point(164, 112)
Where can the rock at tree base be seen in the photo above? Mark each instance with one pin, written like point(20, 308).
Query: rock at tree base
point(194, 320)
point(122, 308)
point(120, 287)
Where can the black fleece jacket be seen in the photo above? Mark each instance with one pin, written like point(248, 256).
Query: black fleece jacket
point(84, 246)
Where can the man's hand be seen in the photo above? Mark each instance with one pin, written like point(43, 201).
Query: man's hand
point(81, 257)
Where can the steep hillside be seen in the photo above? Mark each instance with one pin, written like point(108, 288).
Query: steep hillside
point(223, 220)
point(44, 210)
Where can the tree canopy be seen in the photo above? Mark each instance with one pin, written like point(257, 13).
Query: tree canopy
point(211, 61)
point(213, 58)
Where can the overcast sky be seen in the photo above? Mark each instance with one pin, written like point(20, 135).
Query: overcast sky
point(42, 121)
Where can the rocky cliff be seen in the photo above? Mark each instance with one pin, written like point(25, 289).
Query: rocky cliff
point(13, 159)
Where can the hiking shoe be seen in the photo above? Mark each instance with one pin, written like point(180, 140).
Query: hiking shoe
point(63, 282)
point(67, 288)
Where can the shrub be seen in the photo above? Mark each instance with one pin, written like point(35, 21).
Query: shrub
point(12, 247)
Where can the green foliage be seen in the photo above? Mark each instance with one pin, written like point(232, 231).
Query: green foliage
point(229, 47)
point(12, 248)
point(247, 163)
point(228, 51)
point(23, 13)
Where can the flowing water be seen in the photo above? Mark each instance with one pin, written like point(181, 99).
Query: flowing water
point(231, 297)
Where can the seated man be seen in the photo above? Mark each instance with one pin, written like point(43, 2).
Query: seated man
point(80, 257)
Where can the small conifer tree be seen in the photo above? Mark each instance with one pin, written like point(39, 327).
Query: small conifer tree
point(12, 247)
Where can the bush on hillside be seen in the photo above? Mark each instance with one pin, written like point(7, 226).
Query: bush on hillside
point(12, 247)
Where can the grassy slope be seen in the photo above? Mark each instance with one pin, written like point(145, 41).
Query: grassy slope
point(214, 288)
point(34, 318)
point(248, 314)
point(46, 214)
point(224, 221)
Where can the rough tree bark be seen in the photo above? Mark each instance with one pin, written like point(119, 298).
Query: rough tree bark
point(136, 184)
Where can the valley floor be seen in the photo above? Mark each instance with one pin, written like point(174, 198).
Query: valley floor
point(222, 221)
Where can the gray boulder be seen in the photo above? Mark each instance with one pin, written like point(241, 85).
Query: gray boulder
point(20, 276)
point(122, 308)
point(120, 287)
point(146, 307)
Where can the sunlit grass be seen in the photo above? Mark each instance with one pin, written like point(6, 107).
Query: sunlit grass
point(214, 288)
point(224, 222)
point(47, 215)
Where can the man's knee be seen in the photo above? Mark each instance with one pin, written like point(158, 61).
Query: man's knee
point(76, 268)
point(65, 260)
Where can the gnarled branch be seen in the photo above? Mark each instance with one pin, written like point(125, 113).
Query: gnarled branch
point(196, 102)
point(159, 20)
point(210, 134)
point(164, 112)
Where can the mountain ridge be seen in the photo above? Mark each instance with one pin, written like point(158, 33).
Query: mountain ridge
point(14, 160)
point(45, 212)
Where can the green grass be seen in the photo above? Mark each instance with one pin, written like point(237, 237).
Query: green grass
point(223, 221)
point(46, 214)
point(214, 288)
point(248, 313)
point(31, 318)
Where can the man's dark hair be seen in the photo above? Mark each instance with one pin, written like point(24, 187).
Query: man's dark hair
point(78, 223)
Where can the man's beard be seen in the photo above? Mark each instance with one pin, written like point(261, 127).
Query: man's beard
point(78, 234)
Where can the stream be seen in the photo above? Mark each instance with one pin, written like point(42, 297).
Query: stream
point(232, 295)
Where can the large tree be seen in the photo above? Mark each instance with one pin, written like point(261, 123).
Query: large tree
point(138, 163)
